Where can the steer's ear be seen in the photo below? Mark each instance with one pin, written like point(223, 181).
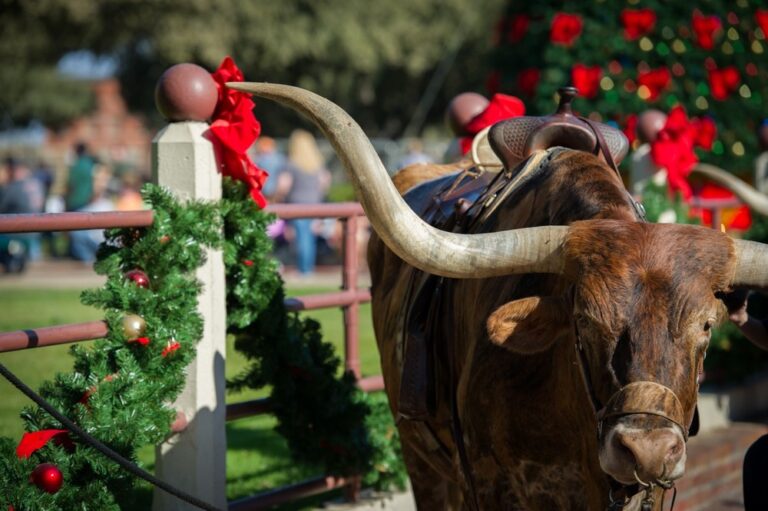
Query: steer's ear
point(529, 325)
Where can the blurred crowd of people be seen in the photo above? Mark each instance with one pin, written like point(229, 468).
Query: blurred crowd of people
point(298, 174)
point(300, 177)
point(90, 185)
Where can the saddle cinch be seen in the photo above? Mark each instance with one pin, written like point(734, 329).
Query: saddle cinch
point(507, 157)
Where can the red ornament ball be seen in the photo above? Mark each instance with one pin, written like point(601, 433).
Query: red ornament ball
point(47, 477)
point(138, 277)
point(186, 92)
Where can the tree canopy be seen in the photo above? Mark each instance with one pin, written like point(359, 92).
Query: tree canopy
point(373, 58)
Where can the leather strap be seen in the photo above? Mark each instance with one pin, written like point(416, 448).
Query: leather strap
point(600, 148)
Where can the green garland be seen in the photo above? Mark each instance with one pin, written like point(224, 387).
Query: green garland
point(327, 421)
point(120, 390)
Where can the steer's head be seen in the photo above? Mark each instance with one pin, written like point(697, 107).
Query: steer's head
point(642, 307)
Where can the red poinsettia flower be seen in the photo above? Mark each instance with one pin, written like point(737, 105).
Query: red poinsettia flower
point(705, 28)
point(723, 81)
point(518, 27)
point(673, 150)
point(235, 128)
point(761, 17)
point(528, 81)
point(637, 22)
point(565, 28)
point(586, 79)
point(630, 128)
point(656, 80)
point(705, 132)
point(500, 107)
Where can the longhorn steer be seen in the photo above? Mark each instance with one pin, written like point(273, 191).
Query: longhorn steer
point(567, 264)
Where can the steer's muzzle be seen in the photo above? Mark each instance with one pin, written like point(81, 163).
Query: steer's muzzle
point(642, 437)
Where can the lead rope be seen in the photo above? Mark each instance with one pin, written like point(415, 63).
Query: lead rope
point(101, 447)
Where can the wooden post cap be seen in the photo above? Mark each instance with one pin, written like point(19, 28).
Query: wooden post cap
point(186, 92)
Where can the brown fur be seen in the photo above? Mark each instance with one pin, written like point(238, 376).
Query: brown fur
point(641, 295)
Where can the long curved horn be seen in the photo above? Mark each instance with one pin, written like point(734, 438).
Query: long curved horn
point(751, 265)
point(747, 194)
point(434, 251)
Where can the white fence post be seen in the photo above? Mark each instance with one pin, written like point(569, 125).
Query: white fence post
point(195, 459)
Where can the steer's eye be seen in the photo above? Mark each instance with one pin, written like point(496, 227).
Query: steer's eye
point(708, 325)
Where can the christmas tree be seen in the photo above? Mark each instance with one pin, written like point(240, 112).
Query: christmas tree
point(627, 57)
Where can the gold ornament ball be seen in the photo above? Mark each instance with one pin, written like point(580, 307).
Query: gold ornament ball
point(133, 326)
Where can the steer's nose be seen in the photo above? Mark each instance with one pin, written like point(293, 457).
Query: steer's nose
point(656, 452)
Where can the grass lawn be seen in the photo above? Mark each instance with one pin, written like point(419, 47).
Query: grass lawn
point(257, 458)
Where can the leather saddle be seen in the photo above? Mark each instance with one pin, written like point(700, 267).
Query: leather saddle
point(516, 139)
point(462, 204)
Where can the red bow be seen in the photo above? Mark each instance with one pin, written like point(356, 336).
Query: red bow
point(236, 129)
point(586, 79)
point(673, 150)
point(565, 29)
point(723, 81)
point(528, 81)
point(637, 22)
point(656, 80)
point(705, 28)
point(500, 107)
point(31, 442)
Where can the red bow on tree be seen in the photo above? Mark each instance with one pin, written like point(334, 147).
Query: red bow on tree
point(586, 79)
point(235, 128)
point(673, 150)
point(705, 28)
point(656, 80)
point(565, 29)
point(500, 107)
point(723, 81)
point(637, 22)
point(31, 442)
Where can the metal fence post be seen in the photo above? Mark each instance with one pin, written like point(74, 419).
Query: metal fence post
point(195, 459)
point(349, 283)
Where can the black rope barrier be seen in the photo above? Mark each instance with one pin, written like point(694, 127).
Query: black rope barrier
point(101, 447)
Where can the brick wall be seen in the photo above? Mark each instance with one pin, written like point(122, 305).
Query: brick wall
point(111, 132)
point(713, 470)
